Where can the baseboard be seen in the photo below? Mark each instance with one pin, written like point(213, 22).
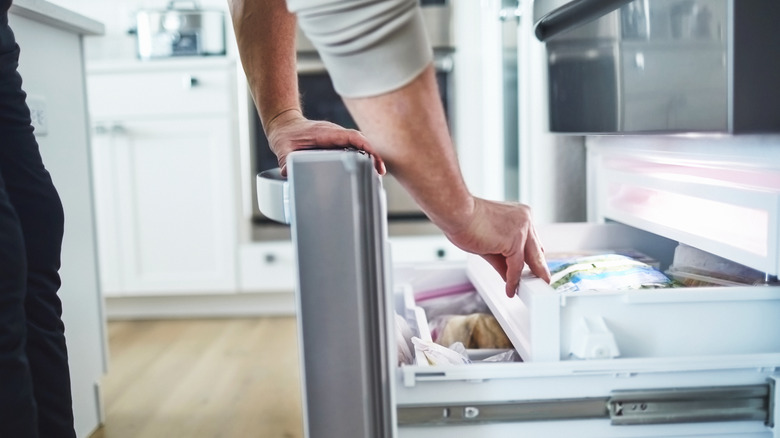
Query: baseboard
point(201, 306)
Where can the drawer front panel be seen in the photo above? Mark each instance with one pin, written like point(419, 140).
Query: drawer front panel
point(151, 94)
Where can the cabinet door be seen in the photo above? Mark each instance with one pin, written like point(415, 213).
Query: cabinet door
point(105, 189)
point(168, 190)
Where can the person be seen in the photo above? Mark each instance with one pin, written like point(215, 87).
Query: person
point(380, 62)
point(35, 392)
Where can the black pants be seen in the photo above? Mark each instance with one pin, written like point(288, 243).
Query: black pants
point(35, 394)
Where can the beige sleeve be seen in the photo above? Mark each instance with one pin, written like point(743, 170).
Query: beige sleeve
point(369, 47)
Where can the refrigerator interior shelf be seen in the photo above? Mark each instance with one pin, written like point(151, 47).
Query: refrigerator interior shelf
point(728, 209)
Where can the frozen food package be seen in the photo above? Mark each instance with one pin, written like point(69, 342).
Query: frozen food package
point(476, 330)
point(606, 271)
point(439, 355)
point(403, 337)
point(462, 302)
point(694, 267)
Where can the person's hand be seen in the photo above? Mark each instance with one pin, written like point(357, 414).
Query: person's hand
point(291, 131)
point(502, 233)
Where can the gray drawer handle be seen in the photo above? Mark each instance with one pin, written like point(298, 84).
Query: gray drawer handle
point(189, 81)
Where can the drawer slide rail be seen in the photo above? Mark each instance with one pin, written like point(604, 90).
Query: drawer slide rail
point(641, 407)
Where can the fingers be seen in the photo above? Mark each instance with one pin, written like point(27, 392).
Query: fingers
point(511, 266)
point(301, 134)
point(337, 136)
point(283, 164)
point(534, 257)
point(498, 262)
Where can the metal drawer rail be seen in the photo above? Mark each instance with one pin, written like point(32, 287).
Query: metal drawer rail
point(676, 405)
point(741, 403)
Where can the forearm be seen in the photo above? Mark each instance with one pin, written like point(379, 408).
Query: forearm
point(265, 34)
point(408, 129)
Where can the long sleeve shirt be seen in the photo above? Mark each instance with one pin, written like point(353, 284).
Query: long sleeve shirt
point(369, 47)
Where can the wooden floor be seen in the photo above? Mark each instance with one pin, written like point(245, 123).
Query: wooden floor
point(202, 378)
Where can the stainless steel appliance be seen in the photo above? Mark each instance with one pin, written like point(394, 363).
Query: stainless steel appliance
point(662, 65)
point(687, 361)
point(321, 102)
point(696, 362)
point(182, 29)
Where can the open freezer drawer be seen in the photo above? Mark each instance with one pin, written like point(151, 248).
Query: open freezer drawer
point(354, 388)
point(545, 325)
point(682, 361)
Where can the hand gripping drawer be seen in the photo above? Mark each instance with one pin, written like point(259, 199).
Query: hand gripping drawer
point(545, 325)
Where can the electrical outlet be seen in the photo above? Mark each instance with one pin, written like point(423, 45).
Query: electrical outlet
point(38, 114)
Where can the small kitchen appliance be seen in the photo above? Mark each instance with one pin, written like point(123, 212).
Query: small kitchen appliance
point(182, 29)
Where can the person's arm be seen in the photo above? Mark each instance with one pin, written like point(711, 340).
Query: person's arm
point(402, 114)
point(265, 34)
point(407, 127)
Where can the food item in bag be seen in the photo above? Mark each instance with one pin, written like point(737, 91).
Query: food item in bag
point(439, 355)
point(693, 267)
point(603, 272)
point(477, 330)
point(403, 339)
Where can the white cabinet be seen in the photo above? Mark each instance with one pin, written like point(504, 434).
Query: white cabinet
point(164, 169)
point(267, 267)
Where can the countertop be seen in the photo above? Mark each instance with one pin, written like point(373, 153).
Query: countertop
point(56, 16)
point(165, 64)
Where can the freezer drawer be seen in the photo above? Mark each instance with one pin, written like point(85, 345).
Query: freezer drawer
point(545, 325)
point(684, 395)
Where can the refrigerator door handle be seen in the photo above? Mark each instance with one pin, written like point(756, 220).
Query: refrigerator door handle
point(573, 14)
point(273, 195)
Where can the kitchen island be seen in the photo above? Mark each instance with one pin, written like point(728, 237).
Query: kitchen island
point(52, 66)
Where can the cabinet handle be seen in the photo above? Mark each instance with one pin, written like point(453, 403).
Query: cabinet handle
point(118, 129)
point(189, 81)
point(114, 128)
point(507, 14)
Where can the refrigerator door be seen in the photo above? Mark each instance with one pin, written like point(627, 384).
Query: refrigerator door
point(337, 214)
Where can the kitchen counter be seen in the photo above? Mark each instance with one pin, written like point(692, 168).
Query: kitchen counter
point(129, 65)
point(56, 16)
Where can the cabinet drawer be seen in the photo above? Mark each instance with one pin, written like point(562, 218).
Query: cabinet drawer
point(179, 92)
point(267, 267)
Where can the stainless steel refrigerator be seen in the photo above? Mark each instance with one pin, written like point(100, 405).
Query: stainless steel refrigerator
point(675, 362)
